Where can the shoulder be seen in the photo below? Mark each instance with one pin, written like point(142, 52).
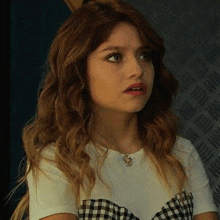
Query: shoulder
point(50, 190)
point(185, 151)
point(47, 163)
point(49, 151)
point(46, 156)
point(183, 146)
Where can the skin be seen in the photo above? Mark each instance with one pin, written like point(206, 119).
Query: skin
point(109, 76)
point(206, 216)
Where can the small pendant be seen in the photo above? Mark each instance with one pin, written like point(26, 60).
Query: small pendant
point(127, 161)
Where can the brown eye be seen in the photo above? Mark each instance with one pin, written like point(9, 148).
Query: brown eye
point(115, 55)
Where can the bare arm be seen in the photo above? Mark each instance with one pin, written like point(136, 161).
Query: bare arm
point(206, 216)
point(61, 216)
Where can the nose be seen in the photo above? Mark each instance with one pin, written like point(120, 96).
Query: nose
point(135, 68)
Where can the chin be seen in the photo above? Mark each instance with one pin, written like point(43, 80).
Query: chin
point(137, 109)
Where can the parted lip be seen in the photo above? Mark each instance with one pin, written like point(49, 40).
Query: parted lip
point(135, 85)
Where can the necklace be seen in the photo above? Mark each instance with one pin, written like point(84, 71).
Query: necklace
point(126, 160)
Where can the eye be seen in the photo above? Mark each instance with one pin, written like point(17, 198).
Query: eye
point(147, 55)
point(113, 55)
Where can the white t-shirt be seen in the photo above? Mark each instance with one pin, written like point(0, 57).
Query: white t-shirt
point(136, 191)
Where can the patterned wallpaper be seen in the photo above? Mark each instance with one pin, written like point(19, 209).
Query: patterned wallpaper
point(191, 33)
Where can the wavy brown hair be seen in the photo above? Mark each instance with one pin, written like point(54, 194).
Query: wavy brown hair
point(64, 113)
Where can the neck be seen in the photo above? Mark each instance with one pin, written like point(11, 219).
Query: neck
point(117, 132)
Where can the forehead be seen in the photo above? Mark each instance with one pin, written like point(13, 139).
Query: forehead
point(124, 29)
point(124, 35)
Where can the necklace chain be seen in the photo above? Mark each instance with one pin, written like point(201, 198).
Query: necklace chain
point(126, 160)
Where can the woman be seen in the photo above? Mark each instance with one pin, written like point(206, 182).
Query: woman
point(104, 142)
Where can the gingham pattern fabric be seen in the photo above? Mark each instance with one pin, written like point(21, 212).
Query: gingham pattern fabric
point(175, 209)
point(105, 209)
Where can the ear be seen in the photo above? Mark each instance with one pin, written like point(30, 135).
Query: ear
point(75, 4)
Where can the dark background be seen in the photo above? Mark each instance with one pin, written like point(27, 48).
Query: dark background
point(191, 33)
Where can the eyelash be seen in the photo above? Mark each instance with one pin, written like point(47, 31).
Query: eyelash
point(148, 55)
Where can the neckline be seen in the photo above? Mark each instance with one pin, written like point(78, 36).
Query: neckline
point(113, 153)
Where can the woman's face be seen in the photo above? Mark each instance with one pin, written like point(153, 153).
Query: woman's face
point(110, 72)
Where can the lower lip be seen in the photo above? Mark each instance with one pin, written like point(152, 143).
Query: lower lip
point(141, 92)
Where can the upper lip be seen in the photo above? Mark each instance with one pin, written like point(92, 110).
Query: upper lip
point(135, 85)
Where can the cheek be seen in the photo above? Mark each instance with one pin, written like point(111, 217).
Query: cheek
point(100, 82)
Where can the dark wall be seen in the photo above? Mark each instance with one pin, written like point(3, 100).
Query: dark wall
point(4, 109)
point(32, 28)
point(191, 33)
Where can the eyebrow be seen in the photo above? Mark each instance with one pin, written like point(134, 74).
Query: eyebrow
point(123, 48)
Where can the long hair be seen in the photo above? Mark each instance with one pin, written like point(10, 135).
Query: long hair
point(64, 113)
